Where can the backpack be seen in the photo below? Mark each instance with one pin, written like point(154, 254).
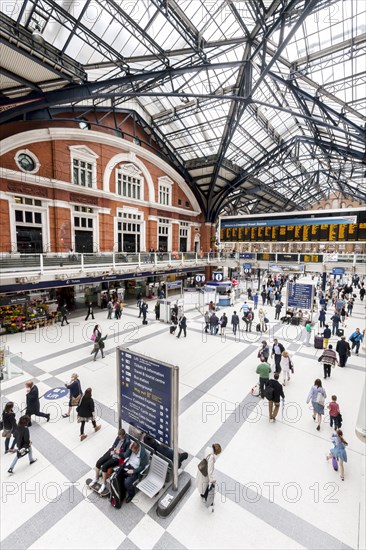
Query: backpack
point(250, 316)
point(269, 392)
point(320, 398)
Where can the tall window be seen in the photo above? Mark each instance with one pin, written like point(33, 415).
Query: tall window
point(163, 234)
point(165, 191)
point(129, 231)
point(183, 237)
point(28, 224)
point(84, 220)
point(82, 173)
point(129, 182)
point(83, 166)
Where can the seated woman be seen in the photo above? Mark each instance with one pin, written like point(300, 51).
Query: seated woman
point(111, 458)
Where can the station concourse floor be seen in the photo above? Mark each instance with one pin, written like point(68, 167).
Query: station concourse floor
point(274, 487)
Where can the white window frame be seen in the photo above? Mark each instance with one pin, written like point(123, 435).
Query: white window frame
point(165, 185)
point(33, 157)
point(120, 213)
point(43, 210)
point(82, 153)
point(88, 215)
point(130, 170)
point(165, 223)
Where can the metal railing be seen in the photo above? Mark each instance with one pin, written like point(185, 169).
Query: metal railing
point(17, 264)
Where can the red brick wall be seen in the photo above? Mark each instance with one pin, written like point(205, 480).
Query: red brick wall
point(5, 244)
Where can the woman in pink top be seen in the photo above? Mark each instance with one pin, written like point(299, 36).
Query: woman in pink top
point(333, 408)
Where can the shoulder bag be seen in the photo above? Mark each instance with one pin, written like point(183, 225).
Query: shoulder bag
point(203, 466)
point(320, 398)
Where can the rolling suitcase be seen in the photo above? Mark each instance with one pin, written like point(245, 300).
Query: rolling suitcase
point(340, 332)
point(210, 499)
point(318, 342)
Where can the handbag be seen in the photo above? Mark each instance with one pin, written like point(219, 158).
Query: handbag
point(292, 367)
point(75, 400)
point(320, 398)
point(6, 433)
point(334, 463)
point(266, 320)
point(255, 391)
point(203, 467)
point(93, 337)
point(22, 452)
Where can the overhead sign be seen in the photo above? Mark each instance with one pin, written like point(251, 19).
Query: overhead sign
point(86, 280)
point(300, 296)
point(145, 394)
point(247, 256)
point(338, 271)
point(56, 393)
point(200, 278)
point(217, 276)
point(173, 284)
point(293, 268)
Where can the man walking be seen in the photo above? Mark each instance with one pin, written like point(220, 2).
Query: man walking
point(182, 326)
point(277, 350)
point(143, 311)
point(356, 339)
point(329, 359)
point(90, 311)
point(278, 308)
point(335, 320)
point(235, 322)
point(274, 396)
point(64, 312)
point(263, 370)
point(214, 324)
point(344, 351)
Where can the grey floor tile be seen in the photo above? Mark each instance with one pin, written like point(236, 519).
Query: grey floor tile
point(168, 542)
point(127, 544)
point(126, 518)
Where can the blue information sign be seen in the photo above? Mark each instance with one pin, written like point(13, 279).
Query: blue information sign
point(247, 256)
point(217, 276)
point(338, 271)
point(300, 296)
point(173, 284)
point(146, 394)
point(56, 393)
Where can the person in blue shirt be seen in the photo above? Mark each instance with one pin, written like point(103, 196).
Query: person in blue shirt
point(255, 300)
point(356, 339)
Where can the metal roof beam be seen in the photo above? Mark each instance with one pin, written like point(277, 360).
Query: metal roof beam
point(330, 50)
point(21, 80)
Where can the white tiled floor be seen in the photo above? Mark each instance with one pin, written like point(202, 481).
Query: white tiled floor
point(290, 453)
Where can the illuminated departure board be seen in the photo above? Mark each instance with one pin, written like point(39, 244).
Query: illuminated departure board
point(301, 227)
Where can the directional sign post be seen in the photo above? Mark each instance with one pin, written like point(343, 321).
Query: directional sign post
point(300, 296)
point(148, 398)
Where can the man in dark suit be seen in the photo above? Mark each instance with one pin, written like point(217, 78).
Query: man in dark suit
point(90, 311)
point(182, 326)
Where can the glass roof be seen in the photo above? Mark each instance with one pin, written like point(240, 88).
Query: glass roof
point(271, 94)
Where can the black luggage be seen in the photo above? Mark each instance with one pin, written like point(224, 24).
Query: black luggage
point(295, 320)
point(318, 342)
point(115, 497)
point(340, 332)
point(172, 329)
point(258, 328)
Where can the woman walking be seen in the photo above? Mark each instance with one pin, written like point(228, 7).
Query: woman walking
point(24, 443)
point(99, 344)
point(86, 412)
point(223, 323)
point(10, 427)
point(75, 393)
point(339, 451)
point(317, 396)
point(262, 319)
point(204, 481)
point(286, 366)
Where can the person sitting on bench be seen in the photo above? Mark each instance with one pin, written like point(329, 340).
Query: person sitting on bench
point(136, 461)
point(164, 449)
point(111, 458)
